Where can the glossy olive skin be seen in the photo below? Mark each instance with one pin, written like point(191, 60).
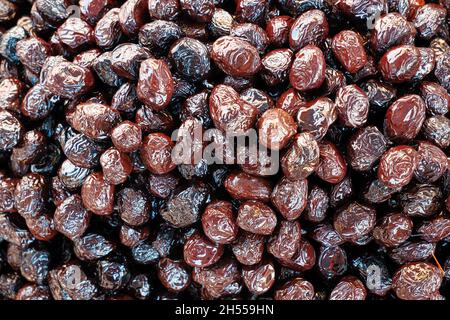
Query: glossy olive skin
point(352, 105)
point(71, 218)
point(156, 153)
point(218, 222)
point(397, 166)
point(11, 130)
point(235, 57)
point(290, 197)
point(354, 221)
point(400, 64)
point(295, 289)
point(302, 158)
point(155, 85)
point(348, 48)
point(436, 98)
point(432, 163)
point(408, 286)
point(317, 116)
point(191, 58)
point(391, 30)
point(97, 194)
point(256, 217)
point(200, 252)
point(107, 32)
point(308, 69)
point(332, 166)
point(347, 103)
point(405, 117)
point(75, 82)
point(300, 34)
point(349, 288)
point(229, 112)
point(365, 147)
point(276, 65)
point(277, 29)
point(276, 127)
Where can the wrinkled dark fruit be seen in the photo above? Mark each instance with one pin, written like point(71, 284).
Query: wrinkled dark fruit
point(218, 149)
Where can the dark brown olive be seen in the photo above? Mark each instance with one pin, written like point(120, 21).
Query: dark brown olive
point(417, 281)
point(236, 57)
point(248, 248)
point(317, 116)
point(200, 252)
point(243, 186)
point(132, 16)
point(277, 30)
point(400, 64)
point(390, 30)
point(332, 167)
point(97, 194)
point(308, 69)
point(256, 217)
point(349, 288)
point(393, 230)
point(352, 105)
point(405, 117)
point(219, 223)
point(290, 197)
point(156, 153)
point(302, 158)
point(155, 85)
point(295, 289)
point(276, 127)
point(365, 147)
point(224, 150)
point(310, 27)
point(397, 166)
point(259, 278)
point(173, 275)
point(354, 221)
point(11, 130)
point(71, 217)
point(229, 112)
point(348, 47)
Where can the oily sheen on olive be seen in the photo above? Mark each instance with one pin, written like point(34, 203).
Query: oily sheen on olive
point(317, 158)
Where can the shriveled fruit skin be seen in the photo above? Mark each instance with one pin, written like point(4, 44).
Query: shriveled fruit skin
point(365, 147)
point(417, 281)
point(224, 150)
point(400, 64)
point(256, 217)
point(405, 117)
point(235, 57)
point(243, 186)
point(97, 194)
point(71, 218)
point(302, 158)
point(354, 221)
point(229, 112)
point(290, 197)
point(184, 206)
point(349, 288)
point(308, 69)
point(200, 252)
point(155, 84)
point(397, 166)
point(68, 80)
point(301, 34)
point(348, 47)
point(218, 222)
point(295, 289)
